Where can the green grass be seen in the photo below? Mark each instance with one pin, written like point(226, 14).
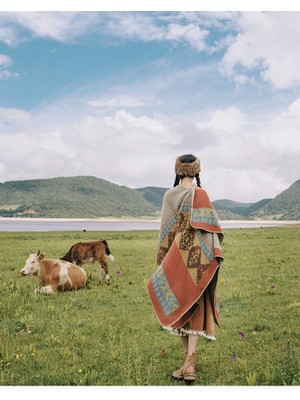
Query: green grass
point(109, 335)
point(9, 206)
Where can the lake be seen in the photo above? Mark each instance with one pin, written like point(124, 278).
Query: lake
point(46, 225)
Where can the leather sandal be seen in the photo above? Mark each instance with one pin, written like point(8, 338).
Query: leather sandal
point(189, 374)
point(178, 374)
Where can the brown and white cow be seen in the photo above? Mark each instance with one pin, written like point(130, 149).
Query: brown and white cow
point(84, 252)
point(54, 275)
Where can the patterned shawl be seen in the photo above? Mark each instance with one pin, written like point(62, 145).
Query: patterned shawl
point(188, 258)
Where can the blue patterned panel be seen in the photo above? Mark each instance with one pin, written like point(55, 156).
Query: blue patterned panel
point(163, 292)
point(205, 215)
point(205, 247)
point(167, 228)
point(185, 207)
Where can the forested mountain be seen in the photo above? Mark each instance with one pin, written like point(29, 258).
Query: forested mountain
point(285, 206)
point(154, 195)
point(72, 197)
point(90, 197)
point(228, 209)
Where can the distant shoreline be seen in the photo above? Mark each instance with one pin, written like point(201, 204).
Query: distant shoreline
point(100, 219)
point(259, 221)
point(142, 220)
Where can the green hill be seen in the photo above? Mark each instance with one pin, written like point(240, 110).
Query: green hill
point(256, 206)
point(228, 209)
point(153, 195)
point(90, 197)
point(72, 197)
point(285, 206)
point(229, 204)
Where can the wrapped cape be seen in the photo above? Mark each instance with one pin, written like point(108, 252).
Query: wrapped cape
point(188, 258)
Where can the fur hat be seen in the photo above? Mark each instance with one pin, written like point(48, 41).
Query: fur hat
point(187, 168)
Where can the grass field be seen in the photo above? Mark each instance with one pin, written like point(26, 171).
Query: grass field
point(109, 335)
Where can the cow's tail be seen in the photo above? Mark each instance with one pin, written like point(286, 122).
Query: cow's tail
point(107, 251)
point(68, 256)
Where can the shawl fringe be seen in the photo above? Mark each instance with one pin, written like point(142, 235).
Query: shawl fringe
point(186, 332)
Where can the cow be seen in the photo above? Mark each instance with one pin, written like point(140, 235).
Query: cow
point(83, 252)
point(54, 275)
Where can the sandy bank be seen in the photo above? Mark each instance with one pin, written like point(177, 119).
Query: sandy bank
point(258, 221)
point(119, 220)
point(143, 220)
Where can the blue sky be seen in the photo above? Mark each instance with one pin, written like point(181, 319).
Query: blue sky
point(119, 95)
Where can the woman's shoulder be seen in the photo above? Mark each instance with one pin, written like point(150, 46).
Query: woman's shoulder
point(201, 191)
point(173, 191)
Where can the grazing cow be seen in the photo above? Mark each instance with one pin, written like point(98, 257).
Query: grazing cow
point(54, 275)
point(84, 252)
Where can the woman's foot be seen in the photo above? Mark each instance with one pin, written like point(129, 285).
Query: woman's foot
point(189, 373)
point(178, 374)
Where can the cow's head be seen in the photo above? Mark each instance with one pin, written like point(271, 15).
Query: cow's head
point(32, 264)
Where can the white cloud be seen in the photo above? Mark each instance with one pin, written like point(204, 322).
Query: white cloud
point(268, 44)
point(116, 137)
point(294, 109)
point(14, 115)
point(263, 45)
point(157, 27)
point(250, 159)
point(122, 119)
point(122, 148)
point(5, 63)
point(62, 26)
point(259, 45)
point(242, 159)
point(244, 79)
point(190, 33)
point(66, 26)
point(5, 74)
point(226, 120)
point(283, 133)
point(117, 101)
point(7, 33)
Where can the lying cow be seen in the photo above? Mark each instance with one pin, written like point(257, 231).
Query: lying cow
point(54, 275)
point(84, 252)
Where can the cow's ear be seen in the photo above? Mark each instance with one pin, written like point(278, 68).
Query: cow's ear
point(41, 256)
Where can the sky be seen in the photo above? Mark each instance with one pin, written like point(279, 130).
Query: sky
point(120, 94)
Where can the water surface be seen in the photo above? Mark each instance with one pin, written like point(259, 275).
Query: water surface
point(49, 225)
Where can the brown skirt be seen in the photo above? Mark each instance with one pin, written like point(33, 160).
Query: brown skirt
point(200, 323)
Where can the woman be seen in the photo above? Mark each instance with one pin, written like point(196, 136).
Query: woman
point(182, 289)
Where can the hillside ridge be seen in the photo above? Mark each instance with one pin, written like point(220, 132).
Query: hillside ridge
point(91, 197)
point(71, 197)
